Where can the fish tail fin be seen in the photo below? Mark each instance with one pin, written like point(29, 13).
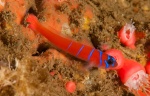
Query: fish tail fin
point(32, 21)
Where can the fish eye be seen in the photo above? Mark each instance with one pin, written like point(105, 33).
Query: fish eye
point(110, 61)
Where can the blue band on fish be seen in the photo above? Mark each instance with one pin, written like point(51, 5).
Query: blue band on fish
point(80, 50)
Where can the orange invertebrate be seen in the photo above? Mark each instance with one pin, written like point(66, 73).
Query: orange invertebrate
point(133, 75)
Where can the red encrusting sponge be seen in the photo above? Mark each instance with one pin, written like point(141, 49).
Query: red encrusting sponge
point(70, 86)
point(147, 67)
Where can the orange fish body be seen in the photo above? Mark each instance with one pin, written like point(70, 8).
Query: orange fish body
point(79, 50)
